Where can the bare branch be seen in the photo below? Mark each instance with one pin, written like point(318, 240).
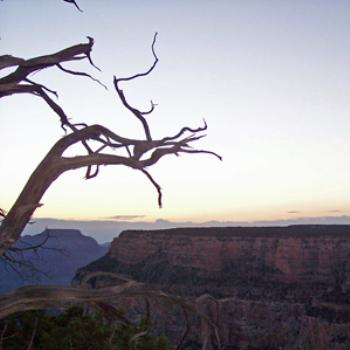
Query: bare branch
point(156, 185)
point(37, 90)
point(198, 151)
point(45, 296)
point(27, 67)
point(112, 313)
point(35, 327)
point(137, 113)
point(3, 332)
point(84, 281)
point(19, 265)
point(42, 297)
point(89, 174)
point(9, 61)
point(83, 74)
point(134, 338)
point(138, 75)
point(17, 259)
point(2, 214)
point(153, 105)
point(184, 130)
point(43, 87)
point(30, 247)
point(12, 83)
point(75, 4)
point(187, 328)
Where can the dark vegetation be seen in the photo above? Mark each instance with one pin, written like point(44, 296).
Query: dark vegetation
point(77, 329)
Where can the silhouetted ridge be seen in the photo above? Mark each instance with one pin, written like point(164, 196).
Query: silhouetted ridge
point(267, 231)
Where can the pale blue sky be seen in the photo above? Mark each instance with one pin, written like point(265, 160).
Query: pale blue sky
point(272, 79)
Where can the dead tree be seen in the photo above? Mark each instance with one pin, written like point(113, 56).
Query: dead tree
point(101, 145)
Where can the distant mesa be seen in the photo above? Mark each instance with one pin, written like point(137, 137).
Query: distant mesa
point(64, 251)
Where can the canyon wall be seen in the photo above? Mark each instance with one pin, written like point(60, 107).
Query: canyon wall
point(297, 260)
point(265, 287)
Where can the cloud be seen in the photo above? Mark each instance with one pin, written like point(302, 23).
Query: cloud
point(293, 212)
point(334, 211)
point(124, 217)
point(162, 221)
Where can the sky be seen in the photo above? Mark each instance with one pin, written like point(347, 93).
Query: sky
point(271, 78)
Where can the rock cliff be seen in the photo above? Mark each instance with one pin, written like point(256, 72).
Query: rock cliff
point(274, 287)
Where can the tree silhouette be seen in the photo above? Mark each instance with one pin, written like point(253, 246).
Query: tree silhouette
point(100, 146)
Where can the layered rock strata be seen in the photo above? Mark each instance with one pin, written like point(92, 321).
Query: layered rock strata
point(274, 287)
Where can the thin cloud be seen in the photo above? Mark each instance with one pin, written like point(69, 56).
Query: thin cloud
point(162, 221)
point(293, 212)
point(124, 217)
point(334, 211)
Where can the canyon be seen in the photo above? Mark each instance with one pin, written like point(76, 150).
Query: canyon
point(263, 287)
